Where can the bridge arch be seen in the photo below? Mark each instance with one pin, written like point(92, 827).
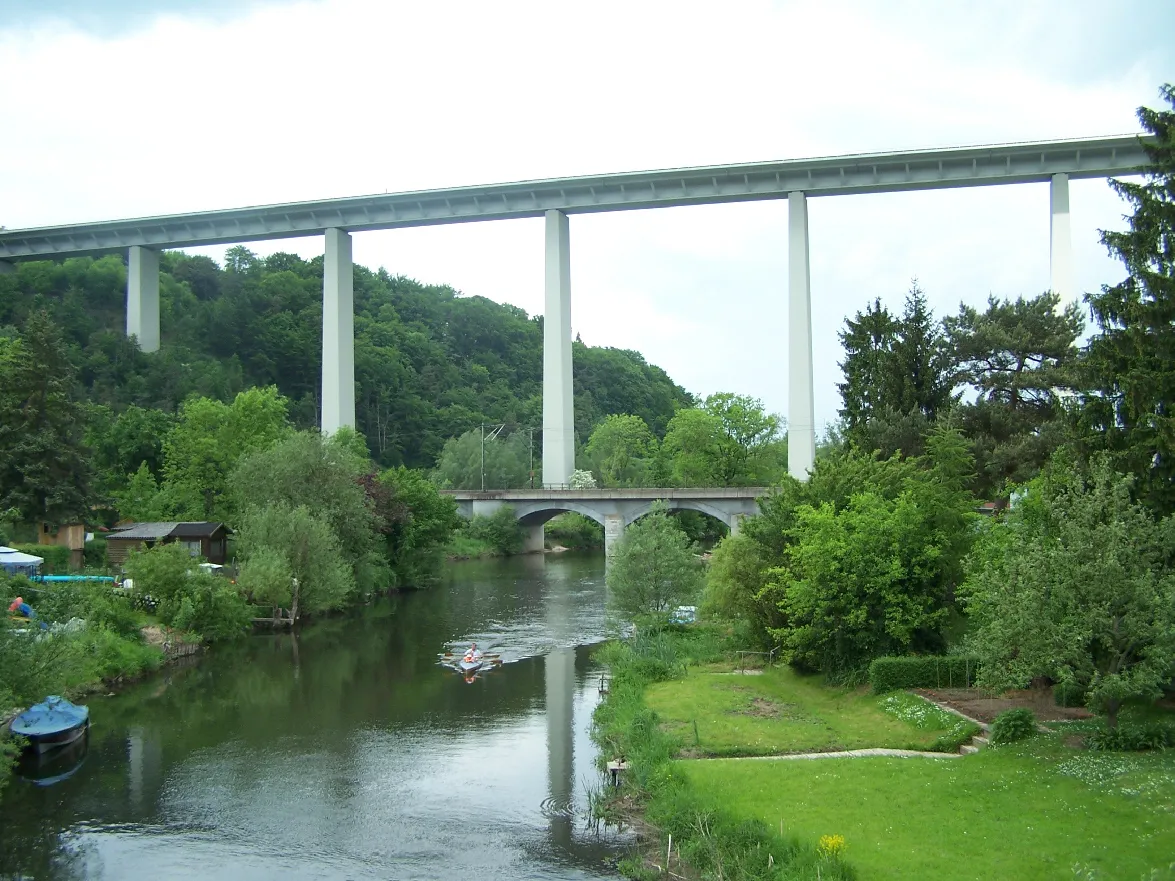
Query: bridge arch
point(635, 514)
point(537, 513)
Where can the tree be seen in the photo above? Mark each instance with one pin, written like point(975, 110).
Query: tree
point(45, 470)
point(619, 450)
point(728, 441)
point(734, 592)
point(874, 574)
point(277, 538)
point(1016, 356)
point(324, 475)
point(208, 441)
point(654, 568)
point(412, 542)
point(895, 370)
point(1130, 412)
point(465, 459)
point(1074, 583)
point(187, 597)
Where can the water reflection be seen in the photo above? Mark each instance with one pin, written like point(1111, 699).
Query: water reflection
point(345, 751)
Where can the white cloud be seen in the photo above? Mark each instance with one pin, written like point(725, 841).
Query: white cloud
point(306, 100)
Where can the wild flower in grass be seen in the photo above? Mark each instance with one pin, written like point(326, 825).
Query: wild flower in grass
point(831, 845)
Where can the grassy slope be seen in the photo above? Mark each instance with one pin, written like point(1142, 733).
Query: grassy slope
point(1028, 811)
point(734, 715)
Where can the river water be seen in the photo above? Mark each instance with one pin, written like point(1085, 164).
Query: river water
point(346, 752)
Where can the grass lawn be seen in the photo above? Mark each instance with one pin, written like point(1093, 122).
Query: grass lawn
point(781, 711)
point(1036, 810)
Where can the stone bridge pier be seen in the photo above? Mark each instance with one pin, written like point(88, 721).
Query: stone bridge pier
point(614, 509)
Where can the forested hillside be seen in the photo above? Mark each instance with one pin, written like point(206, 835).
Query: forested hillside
point(430, 364)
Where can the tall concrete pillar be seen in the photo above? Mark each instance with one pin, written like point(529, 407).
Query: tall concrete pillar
point(559, 673)
point(1062, 279)
point(534, 539)
point(613, 530)
point(338, 334)
point(558, 403)
point(142, 297)
point(801, 414)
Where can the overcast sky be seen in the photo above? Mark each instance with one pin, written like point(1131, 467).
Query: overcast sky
point(137, 107)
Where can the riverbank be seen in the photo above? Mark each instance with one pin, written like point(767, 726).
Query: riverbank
point(684, 829)
point(687, 722)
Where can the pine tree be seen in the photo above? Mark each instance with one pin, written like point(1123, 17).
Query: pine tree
point(868, 340)
point(1130, 364)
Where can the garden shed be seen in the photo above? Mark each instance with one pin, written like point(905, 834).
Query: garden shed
point(202, 539)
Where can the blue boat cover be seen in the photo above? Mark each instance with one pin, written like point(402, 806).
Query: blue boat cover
point(51, 716)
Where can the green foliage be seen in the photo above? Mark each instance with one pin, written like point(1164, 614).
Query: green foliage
point(94, 553)
point(654, 568)
point(276, 539)
point(620, 451)
point(1132, 737)
point(56, 557)
point(500, 530)
point(728, 441)
point(123, 442)
point(922, 671)
point(1074, 583)
point(1069, 694)
point(1013, 725)
point(1130, 364)
point(324, 475)
point(503, 462)
point(186, 597)
point(734, 591)
point(45, 469)
point(1015, 356)
point(207, 443)
point(874, 577)
point(575, 531)
point(894, 366)
point(425, 521)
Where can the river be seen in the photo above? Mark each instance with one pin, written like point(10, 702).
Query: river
point(346, 752)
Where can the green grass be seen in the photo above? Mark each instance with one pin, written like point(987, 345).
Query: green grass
point(1030, 811)
point(781, 711)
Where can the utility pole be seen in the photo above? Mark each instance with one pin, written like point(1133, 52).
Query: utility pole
point(530, 434)
point(483, 457)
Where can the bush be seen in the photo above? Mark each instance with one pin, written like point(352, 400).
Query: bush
point(572, 530)
point(1069, 695)
point(56, 557)
point(1012, 725)
point(500, 530)
point(94, 554)
point(928, 671)
point(1127, 737)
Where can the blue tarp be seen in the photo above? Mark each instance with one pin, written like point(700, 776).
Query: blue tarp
point(51, 716)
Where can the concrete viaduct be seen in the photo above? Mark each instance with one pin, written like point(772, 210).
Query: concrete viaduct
point(795, 180)
point(613, 509)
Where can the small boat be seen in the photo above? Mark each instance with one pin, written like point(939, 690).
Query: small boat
point(471, 665)
point(52, 723)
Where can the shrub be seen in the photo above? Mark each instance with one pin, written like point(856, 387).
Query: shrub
point(928, 671)
point(94, 554)
point(56, 557)
point(1128, 737)
point(1069, 694)
point(572, 530)
point(1012, 725)
point(500, 530)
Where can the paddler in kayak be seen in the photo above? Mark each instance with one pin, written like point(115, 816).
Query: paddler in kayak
point(473, 654)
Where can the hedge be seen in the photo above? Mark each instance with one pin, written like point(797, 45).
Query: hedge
point(927, 671)
point(1072, 695)
point(56, 557)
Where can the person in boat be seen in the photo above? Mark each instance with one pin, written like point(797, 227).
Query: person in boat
point(473, 654)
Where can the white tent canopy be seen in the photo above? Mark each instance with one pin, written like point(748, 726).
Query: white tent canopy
point(16, 562)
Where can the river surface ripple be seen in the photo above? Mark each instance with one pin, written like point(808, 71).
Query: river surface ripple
point(346, 752)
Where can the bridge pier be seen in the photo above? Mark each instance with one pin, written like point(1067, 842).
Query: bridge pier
point(613, 532)
point(1061, 276)
point(558, 400)
point(736, 523)
point(142, 297)
point(535, 541)
point(338, 334)
point(801, 413)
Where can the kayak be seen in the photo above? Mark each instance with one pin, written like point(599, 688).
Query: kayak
point(52, 723)
point(473, 666)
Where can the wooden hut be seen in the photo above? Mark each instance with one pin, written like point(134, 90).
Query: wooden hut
point(203, 539)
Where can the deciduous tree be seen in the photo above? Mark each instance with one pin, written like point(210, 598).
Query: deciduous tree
point(654, 568)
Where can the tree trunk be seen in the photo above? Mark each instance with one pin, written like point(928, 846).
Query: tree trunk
point(1112, 707)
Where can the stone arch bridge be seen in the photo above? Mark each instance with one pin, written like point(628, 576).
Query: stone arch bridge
point(613, 509)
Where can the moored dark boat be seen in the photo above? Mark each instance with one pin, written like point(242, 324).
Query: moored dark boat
point(52, 723)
